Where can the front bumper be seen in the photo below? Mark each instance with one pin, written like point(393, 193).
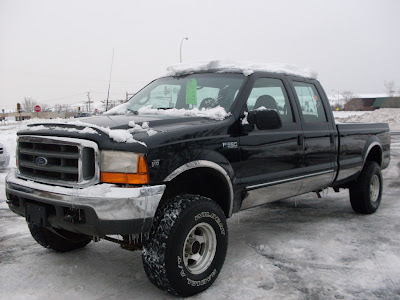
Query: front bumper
point(97, 211)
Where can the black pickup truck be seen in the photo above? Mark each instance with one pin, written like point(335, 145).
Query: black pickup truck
point(184, 154)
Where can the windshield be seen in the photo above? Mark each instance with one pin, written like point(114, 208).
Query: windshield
point(189, 92)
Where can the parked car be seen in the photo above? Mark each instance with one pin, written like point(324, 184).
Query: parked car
point(83, 115)
point(221, 142)
point(4, 157)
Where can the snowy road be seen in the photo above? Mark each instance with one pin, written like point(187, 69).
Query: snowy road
point(300, 248)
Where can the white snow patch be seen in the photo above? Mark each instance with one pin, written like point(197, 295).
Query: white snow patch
point(216, 113)
point(41, 127)
point(383, 115)
point(118, 110)
point(246, 68)
point(144, 128)
point(118, 135)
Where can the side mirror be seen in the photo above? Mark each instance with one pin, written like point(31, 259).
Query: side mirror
point(265, 119)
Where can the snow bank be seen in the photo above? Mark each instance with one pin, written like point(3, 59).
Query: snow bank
point(246, 68)
point(216, 113)
point(383, 115)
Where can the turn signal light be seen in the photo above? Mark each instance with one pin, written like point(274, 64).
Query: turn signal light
point(141, 177)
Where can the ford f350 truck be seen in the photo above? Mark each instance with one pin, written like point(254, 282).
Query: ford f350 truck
point(165, 170)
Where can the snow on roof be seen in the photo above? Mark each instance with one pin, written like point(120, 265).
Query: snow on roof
point(246, 68)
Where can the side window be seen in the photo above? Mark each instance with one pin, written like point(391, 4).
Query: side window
point(310, 102)
point(271, 94)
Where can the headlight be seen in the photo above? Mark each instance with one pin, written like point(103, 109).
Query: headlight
point(123, 167)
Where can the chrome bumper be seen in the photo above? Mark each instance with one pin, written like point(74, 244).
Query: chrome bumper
point(109, 202)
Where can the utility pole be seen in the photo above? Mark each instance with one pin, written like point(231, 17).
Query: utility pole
point(109, 81)
point(129, 95)
point(88, 96)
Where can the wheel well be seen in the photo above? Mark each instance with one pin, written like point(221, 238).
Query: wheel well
point(205, 181)
point(375, 154)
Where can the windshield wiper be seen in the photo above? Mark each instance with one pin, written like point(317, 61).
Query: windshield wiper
point(135, 112)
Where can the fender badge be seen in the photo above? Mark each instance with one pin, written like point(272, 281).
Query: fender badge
point(155, 163)
point(230, 145)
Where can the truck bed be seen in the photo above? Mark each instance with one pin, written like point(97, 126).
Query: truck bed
point(355, 141)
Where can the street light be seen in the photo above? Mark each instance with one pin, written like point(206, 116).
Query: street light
point(180, 52)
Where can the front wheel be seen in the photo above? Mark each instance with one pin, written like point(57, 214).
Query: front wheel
point(187, 245)
point(366, 192)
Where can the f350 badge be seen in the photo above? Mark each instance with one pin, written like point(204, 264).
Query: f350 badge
point(230, 145)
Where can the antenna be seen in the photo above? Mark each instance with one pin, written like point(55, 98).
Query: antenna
point(109, 81)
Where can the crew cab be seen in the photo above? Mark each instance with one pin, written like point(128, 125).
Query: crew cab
point(166, 169)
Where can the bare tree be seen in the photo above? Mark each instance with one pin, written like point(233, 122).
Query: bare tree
point(390, 88)
point(29, 104)
point(62, 107)
point(347, 96)
point(45, 107)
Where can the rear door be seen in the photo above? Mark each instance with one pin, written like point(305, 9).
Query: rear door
point(319, 135)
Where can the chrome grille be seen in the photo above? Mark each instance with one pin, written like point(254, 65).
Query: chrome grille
point(63, 161)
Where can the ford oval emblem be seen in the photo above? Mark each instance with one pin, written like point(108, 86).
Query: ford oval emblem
point(41, 161)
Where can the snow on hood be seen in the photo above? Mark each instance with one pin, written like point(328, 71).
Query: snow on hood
point(246, 68)
point(117, 135)
point(118, 110)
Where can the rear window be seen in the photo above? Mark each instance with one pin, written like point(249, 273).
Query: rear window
point(311, 105)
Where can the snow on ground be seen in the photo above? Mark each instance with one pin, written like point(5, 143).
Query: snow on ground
point(386, 115)
point(299, 248)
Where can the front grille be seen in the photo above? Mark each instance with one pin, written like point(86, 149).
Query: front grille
point(1, 150)
point(64, 161)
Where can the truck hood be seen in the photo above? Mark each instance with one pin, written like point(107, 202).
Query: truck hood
point(122, 121)
point(116, 132)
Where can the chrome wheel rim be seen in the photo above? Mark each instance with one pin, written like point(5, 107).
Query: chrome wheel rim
point(199, 248)
point(374, 188)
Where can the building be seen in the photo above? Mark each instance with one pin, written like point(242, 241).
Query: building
point(40, 115)
point(372, 103)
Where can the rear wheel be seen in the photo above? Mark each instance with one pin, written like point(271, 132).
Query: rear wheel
point(187, 245)
point(58, 240)
point(366, 192)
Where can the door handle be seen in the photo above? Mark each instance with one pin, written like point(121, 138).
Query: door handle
point(332, 138)
point(300, 140)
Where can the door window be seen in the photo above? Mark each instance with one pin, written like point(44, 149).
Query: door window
point(311, 105)
point(271, 94)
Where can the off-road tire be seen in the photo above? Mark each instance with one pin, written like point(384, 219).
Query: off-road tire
point(164, 251)
point(65, 241)
point(363, 199)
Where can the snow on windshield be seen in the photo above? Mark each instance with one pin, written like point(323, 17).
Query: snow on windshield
point(246, 68)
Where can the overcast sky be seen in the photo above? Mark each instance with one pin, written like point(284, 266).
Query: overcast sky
point(56, 51)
